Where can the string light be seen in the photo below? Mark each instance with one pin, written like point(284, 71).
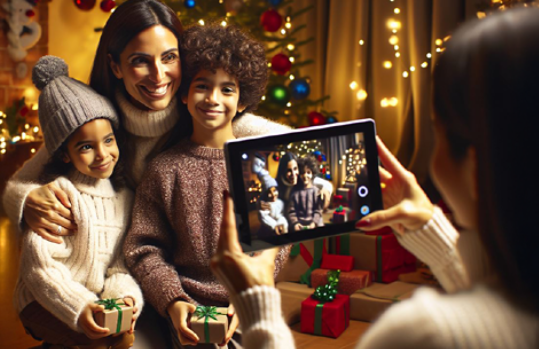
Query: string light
point(361, 95)
point(288, 25)
point(353, 85)
point(396, 47)
point(397, 10)
point(362, 42)
point(388, 64)
point(405, 74)
point(429, 55)
point(283, 31)
point(424, 65)
point(393, 39)
point(292, 59)
point(291, 77)
point(290, 47)
point(438, 42)
point(412, 68)
point(397, 54)
point(223, 23)
point(201, 22)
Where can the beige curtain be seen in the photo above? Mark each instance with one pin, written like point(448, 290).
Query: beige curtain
point(355, 54)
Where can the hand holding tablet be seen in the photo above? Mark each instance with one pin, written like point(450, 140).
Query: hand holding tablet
point(306, 184)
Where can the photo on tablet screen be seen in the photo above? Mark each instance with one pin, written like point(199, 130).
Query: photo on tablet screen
point(305, 185)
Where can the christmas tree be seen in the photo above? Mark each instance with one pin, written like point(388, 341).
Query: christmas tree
point(271, 22)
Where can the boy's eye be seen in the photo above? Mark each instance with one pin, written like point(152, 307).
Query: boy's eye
point(228, 90)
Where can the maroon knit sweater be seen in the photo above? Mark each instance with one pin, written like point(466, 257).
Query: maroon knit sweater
point(175, 227)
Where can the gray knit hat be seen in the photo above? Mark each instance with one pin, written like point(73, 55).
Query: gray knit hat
point(65, 104)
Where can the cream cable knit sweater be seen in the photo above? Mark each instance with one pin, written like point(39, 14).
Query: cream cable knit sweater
point(87, 266)
point(145, 130)
point(468, 318)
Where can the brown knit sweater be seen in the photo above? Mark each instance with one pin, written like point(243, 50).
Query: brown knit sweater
point(175, 227)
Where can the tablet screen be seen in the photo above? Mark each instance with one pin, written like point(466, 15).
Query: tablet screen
point(307, 184)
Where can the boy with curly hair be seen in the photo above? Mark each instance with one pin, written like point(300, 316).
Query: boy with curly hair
point(305, 206)
point(179, 206)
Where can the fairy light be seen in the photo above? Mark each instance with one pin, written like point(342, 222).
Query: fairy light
point(26, 126)
point(290, 47)
point(16, 139)
point(269, 64)
point(438, 42)
point(283, 31)
point(291, 77)
point(384, 103)
point(1, 121)
point(412, 68)
point(353, 85)
point(23, 136)
point(397, 10)
point(3, 151)
point(393, 24)
point(361, 95)
point(263, 98)
point(438, 50)
point(405, 74)
point(429, 55)
point(33, 150)
point(387, 64)
point(397, 54)
point(396, 47)
point(3, 145)
point(223, 23)
point(35, 129)
point(292, 59)
point(424, 65)
point(362, 42)
point(393, 39)
point(288, 25)
point(393, 101)
point(201, 22)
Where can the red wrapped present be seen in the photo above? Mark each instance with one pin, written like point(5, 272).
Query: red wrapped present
point(381, 254)
point(349, 282)
point(339, 215)
point(345, 195)
point(337, 262)
point(304, 258)
point(325, 319)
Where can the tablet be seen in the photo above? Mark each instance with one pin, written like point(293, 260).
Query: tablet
point(306, 184)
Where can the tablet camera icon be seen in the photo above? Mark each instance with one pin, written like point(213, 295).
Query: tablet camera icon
point(365, 210)
point(244, 156)
point(362, 191)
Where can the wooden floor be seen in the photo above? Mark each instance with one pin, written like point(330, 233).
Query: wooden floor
point(12, 333)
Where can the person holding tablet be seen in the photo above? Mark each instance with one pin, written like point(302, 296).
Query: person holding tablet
point(487, 73)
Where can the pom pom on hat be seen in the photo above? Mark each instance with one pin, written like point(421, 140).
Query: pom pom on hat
point(47, 69)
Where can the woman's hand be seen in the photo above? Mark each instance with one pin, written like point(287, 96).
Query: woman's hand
point(407, 207)
point(179, 312)
point(87, 324)
point(47, 211)
point(234, 269)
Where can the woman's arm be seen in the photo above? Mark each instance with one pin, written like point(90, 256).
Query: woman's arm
point(42, 208)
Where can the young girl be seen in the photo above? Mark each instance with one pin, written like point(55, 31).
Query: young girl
point(305, 206)
point(178, 205)
point(59, 284)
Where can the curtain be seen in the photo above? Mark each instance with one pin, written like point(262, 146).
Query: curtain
point(359, 65)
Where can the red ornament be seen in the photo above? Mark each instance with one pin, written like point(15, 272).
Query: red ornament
point(85, 5)
point(315, 118)
point(24, 110)
point(280, 63)
point(30, 13)
point(271, 20)
point(107, 5)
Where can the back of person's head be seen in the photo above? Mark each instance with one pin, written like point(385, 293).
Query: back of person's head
point(126, 22)
point(212, 46)
point(486, 87)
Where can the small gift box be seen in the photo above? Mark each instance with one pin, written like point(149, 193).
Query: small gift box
point(337, 262)
point(325, 319)
point(304, 258)
point(339, 215)
point(349, 282)
point(116, 317)
point(210, 324)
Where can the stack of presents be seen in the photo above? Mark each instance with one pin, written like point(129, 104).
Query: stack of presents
point(370, 268)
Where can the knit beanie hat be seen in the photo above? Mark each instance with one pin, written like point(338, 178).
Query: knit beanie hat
point(65, 104)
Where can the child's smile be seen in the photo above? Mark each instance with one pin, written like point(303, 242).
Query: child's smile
point(93, 150)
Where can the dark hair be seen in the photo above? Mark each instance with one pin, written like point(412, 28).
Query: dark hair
point(56, 166)
point(213, 46)
point(486, 85)
point(126, 22)
point(283, 168)
point(310, 163)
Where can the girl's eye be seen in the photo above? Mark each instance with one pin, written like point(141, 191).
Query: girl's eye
point(170, 58)
point(85, 147)
point(109, 140)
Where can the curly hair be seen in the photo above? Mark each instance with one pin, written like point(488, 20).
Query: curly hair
point(211, 47)
point(309, 162)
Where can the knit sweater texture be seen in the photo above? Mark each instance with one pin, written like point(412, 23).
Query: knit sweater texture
point(466, 318)
point(147, 132)
point(305, 207)
point(86, 266)
point(175, 227)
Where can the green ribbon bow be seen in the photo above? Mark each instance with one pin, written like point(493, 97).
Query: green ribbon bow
point(339, 209)
point(110, 304)
point(327, 292)
point(206, 312)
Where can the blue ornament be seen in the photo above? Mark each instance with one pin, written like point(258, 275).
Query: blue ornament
point(328, 176)
point(331, 119)
point(323, 157)
point(300, 88)
point(275, 3)
point(317, 152)
point(189, 3)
